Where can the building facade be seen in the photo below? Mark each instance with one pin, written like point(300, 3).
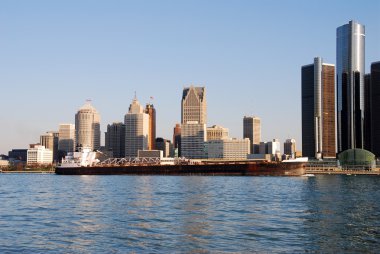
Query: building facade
point(136, 129)
point(87, 127)
point(290, 147)
point(50, 141)
point(177, 139)
point(115, 139)
point(252, 130)
point(151, 111)
point(217, 132)
point(375, 108)
point(193, 137)
point(318, 110)
point(350, 86)
point(165, 146)
point(66, 138)
point(39, 155)
point(227, 149)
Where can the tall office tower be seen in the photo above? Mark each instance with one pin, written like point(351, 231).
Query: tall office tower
point(50, 141)
point(194, 105)
point(151, 111)
point(66, 138)
point(193, 117)
point(375, 108)
point(318, 110)
point(193, 137)
point(87, 127)
point(136, 129)
point(177, 138)
point(115, 139)
point(350, 85)
point(165, 146)
point(252, 130)
point(216, 133)
point(367, 112)
point(290, 147)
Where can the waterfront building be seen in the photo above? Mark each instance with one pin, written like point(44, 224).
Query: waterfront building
point(252, 130)
point(18, 154)
point(350, 86)
point(136, 129)
point(375, 108)
point(177, 139)
point(151, 111)
point(39, 155)
point(193, 105)
point(318, 110)
point(193, 118)
point(290, 148)
point(216, 133)
point(66, 138)
point(50, 141)
point(166, 146)
point(115, 139)
point(227, 149)
point(193, 137)
point(87, 127)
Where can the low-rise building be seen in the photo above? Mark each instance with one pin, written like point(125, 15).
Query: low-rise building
point(228, 149)
point(39, 155)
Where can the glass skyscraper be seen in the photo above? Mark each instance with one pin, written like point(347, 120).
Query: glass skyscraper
point(350, 85)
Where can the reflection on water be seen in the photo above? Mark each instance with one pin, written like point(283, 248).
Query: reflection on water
point(50, 213)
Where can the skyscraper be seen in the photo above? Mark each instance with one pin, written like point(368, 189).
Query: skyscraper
point(193, 117)
point(151, 111)
point(252, 130)
point(350, 85)
point(136, 129)
point(115, 139)
point(318, 110)
point(290, 147)
point(177, 138)
point(66, 138)
point(375, 108)
point(87, 127)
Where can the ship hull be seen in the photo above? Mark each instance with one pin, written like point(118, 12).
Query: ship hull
point(226, 169)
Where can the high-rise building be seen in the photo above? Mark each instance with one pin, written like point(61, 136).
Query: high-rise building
point(193, 117)
point(115, 139)
point(216, 133)
point(194, 105)
point(290, 147)
point(350, 86)
point(50, 141)
point(193, 137)
point(66, 138)
point(151, 111)
point(87, 127)
point(318, 110)
point(252, 130)
point(367, 112)
point(136, 129)
point(375, 108)
point(177, 138)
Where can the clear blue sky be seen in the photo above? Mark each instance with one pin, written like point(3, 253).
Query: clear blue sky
point(56, 54)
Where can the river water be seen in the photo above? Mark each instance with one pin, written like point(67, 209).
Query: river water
point(47, 213)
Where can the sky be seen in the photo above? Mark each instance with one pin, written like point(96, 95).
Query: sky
point(54, 55)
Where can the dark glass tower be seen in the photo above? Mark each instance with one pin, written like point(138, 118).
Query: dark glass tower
point(375, 108)
point(350, 86)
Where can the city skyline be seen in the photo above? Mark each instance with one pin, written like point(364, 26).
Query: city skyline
point(52, 61)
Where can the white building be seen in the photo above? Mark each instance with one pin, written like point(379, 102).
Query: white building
point(136, 129)
point(228, 149)
point(87, 127)
point(66, 137)
point(193, 137)
point(39, 155)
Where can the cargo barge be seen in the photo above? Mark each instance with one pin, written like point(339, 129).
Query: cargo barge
point(87, 162)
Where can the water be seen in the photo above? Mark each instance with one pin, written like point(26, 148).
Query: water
point(46, 213)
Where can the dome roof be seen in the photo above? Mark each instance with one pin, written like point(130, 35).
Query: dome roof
point(356, 157)
point(87, 107)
